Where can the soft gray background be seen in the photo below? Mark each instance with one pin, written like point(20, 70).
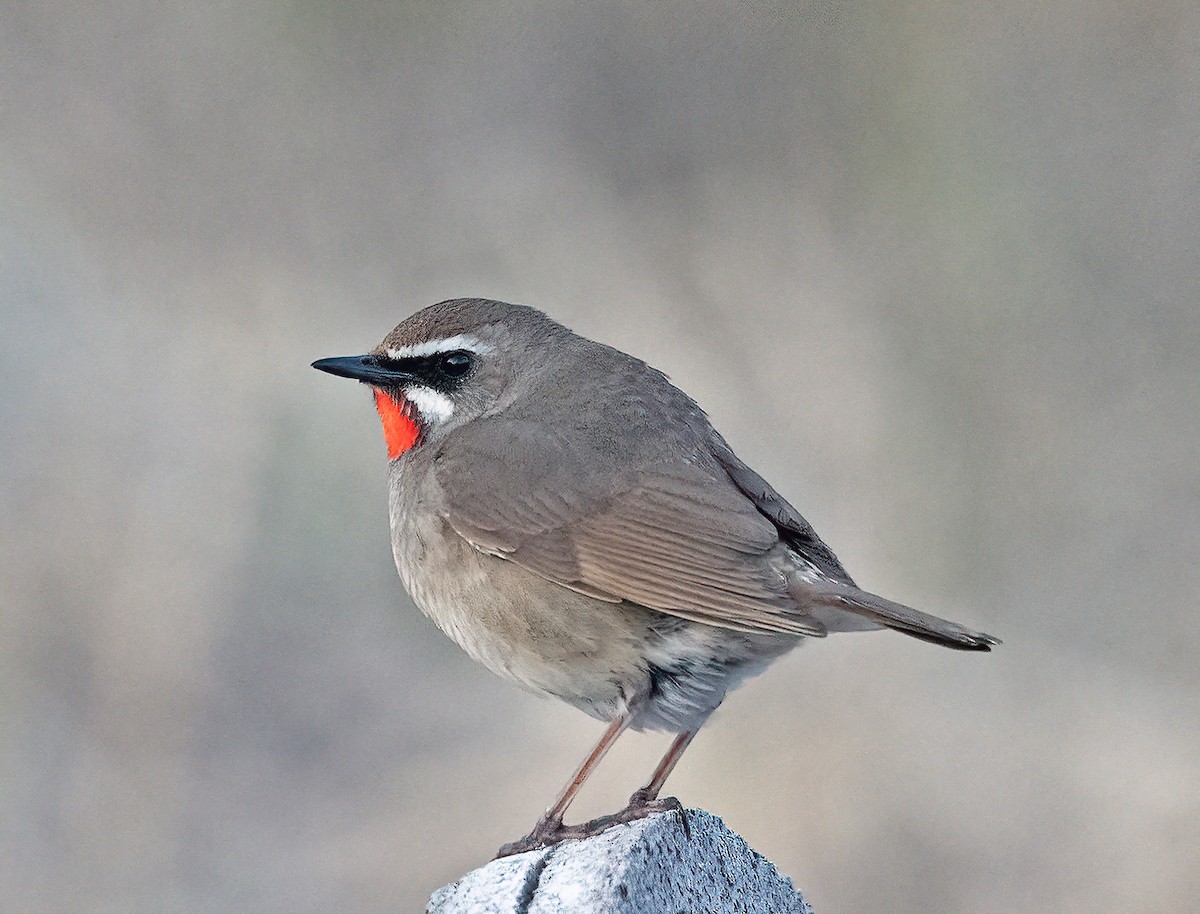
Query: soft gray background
point(931, 267)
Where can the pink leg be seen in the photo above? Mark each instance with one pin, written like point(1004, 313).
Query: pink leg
point(655, 785)
point(549, 827)
point(644, 801)
point(559, 807)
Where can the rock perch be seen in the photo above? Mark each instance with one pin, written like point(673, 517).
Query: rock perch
point(646, 867)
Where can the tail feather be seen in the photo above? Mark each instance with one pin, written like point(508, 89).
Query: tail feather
point(903, 618)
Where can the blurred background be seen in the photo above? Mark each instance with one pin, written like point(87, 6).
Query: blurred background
point(931, 268)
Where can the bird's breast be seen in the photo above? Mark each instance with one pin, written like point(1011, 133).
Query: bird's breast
point(545, 637)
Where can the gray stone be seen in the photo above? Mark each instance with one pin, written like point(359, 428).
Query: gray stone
point(646, 867)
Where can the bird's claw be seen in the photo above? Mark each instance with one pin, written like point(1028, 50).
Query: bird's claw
point(548, 832)
point(641, 806)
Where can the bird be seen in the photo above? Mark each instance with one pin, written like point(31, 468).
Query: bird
point(577, 525)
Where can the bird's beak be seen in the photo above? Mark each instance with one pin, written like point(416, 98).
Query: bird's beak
point(369, 369)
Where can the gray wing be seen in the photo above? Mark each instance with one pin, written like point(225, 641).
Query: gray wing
point(678, 537)
point(793, 528)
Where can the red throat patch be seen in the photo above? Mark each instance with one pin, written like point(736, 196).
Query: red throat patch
point(400, 430)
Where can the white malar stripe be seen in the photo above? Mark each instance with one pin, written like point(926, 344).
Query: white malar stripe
point(432, 347)
point(431, 404)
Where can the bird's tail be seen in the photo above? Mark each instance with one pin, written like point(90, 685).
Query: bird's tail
point(901, 618)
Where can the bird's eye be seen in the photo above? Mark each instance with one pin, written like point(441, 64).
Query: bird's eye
point(456, 364)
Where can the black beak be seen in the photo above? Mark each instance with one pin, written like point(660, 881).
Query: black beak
point(369, 369)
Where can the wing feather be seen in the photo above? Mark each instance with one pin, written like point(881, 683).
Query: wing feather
point(797, 531)
point(676, 537)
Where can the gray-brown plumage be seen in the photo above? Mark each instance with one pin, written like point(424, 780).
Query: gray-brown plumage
point(576, 524)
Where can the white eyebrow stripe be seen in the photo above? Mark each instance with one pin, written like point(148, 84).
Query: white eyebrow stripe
point(432, 347)
point(433, 405)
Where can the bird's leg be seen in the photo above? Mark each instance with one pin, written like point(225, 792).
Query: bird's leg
point(644, 801)
point(554, 815)
point(549, 828)
point(648, 794)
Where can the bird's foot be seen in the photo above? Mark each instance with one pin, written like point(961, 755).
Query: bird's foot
point(549, 830)
point(552, 831)
point(640, 806)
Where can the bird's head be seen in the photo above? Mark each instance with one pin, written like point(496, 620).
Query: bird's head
point(448, 364)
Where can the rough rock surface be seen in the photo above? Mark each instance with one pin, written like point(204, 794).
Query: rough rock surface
point(646, 867)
